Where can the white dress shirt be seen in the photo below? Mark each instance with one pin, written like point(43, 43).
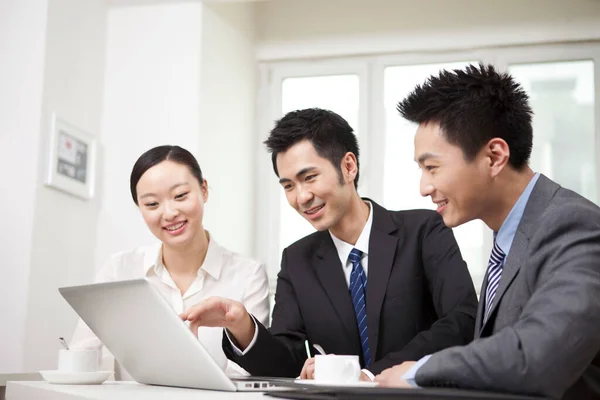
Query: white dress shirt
point(223, 273)
point(343, 250)
point(362, 244)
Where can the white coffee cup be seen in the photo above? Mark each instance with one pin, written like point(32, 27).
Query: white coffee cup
point(77, 360)
point(337, 369)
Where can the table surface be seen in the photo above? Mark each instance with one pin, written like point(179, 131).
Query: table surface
point(116, 391)
point(20, 390)
point(32, 376)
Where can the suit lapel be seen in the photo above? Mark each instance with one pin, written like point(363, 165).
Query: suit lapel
point(330, 273)
point(543, 191)
point(480, 306)
point(382, 250)
point(509, 271)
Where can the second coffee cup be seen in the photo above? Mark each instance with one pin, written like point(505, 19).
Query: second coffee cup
point(337, 368)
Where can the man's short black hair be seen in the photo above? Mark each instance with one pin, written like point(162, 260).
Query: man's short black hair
point(330, 134)
point(473, 106)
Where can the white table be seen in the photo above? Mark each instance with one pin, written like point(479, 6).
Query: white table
point(117, 391)
point(33, 376)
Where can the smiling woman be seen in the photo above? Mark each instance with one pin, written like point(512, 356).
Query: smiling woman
point(187, 265)
point(168, 187)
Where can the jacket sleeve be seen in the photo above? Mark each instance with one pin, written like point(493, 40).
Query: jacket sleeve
point(280, 350)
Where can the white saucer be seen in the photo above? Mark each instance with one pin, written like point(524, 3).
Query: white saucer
point(76, 378)
point(336, 384)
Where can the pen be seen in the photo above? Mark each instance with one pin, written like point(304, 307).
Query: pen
point(307, 347)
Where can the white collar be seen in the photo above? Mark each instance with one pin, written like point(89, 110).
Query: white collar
point(362, 244)
point(212, 264)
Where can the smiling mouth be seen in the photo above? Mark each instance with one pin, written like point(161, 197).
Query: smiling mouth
point(441, 203)
point(314, 210)
point(174, 227)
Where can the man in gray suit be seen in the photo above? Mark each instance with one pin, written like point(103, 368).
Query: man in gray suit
point(538, 322)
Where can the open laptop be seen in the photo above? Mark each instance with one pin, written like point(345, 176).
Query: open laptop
point(149, 339)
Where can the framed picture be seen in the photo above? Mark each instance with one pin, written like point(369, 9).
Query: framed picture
point(71, 167)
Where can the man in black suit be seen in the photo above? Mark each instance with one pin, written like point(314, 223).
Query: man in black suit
point(387, 286)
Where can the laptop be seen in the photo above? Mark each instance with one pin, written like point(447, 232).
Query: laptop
point(150, 340)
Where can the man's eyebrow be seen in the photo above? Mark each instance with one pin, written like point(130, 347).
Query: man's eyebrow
point(304, 171)
point(298, 174)
point(425, 156)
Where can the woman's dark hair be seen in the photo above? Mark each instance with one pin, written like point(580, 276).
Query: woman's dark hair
point(157, 155)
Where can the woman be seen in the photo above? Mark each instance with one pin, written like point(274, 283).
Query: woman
point(188, 265)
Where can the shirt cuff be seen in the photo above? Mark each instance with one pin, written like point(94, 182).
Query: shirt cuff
point(409, 376)
point(369, 374)
point(236, 350)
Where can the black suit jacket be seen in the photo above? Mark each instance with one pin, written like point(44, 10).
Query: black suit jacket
point(419, 298)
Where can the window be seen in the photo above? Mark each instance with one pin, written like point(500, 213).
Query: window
point(338, 93)
point(562, 98)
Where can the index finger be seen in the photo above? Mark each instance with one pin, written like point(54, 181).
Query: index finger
point(194, 325)
point(195, 312)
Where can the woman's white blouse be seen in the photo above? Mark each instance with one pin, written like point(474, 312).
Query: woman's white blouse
point(223, 273)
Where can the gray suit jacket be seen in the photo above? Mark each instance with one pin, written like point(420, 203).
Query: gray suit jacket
point(543, 334)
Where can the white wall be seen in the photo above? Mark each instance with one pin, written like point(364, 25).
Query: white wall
point(22, 41)
point(52, 60)
point(151, 98)
point(64, 229)
point(179, 73)
point(316, 28)
point(227, 123)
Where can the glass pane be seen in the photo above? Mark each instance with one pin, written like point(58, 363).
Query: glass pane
point(338, 93)
point(562, 98)
point(402, 174)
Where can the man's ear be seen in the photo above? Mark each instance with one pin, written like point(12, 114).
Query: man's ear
point(497, 155)
point(349, 167)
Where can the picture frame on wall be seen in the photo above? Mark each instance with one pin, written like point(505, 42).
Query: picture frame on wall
point(72, 159)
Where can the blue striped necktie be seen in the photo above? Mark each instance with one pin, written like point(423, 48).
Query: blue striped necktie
point(358, 285)
point(494, 275)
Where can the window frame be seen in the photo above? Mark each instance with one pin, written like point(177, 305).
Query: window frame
point(271, 79)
